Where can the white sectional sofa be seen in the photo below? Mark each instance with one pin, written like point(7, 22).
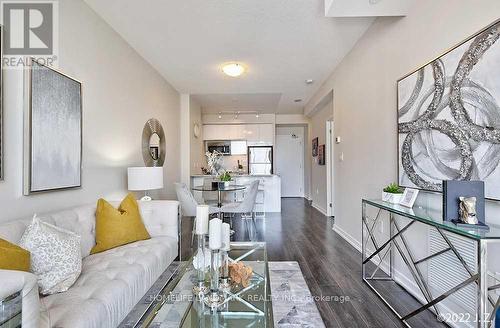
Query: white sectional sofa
point(111, 282)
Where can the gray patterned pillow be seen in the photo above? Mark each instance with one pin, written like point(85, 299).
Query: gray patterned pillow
point(55, 256)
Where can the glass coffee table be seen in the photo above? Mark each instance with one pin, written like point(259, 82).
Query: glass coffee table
point(249, 306)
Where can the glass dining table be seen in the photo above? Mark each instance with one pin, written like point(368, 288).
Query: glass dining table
point(219, 188)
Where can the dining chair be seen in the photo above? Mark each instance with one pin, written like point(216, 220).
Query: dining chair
point(188, 204)
point(247, 204)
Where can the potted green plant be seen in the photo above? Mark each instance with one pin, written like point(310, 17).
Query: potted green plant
point(393, 193)
point(225, 178)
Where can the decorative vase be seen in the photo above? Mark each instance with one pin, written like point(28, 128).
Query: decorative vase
point(224, 272)
point(214, 298)
point(391, 198)
point(200, 266)
point(224, 184)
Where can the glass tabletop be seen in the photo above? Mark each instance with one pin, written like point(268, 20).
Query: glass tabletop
point(217, 187)
point(248, 306)
point(435, 217)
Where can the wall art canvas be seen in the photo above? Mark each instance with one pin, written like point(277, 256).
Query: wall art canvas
point(53, 130)
point(449, 117)
point(315, 147)
point(1, 102)
point(321, 155)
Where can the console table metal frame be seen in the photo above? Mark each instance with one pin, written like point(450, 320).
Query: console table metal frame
point(483, 317)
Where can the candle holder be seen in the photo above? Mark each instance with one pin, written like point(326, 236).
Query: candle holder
point(200, 267)
point(214, 298)
point(224, 272)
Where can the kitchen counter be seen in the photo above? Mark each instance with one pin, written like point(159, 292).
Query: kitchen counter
point(268, 197)
point(236, 175)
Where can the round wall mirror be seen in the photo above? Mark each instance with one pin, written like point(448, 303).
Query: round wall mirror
point(153, 143)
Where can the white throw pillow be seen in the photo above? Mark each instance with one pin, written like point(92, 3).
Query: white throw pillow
point(55, 256)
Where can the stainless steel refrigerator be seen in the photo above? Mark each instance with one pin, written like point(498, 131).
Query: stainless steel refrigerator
point(260, 160)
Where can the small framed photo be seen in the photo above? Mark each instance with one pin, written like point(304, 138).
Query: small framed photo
point(321, 155)
point(409, 197)
point(315, 147)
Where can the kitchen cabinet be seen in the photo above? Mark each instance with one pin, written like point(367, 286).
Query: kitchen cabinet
point(254, 134)
point(236, 132)
point(214, 132)
point(266, 134)
point(251, 132)
point(223, 132)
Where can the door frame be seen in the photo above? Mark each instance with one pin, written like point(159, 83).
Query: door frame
point(302, 163)
point(330, 167)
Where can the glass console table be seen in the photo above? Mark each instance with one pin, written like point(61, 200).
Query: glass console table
point(248, 306)
point(380, 251)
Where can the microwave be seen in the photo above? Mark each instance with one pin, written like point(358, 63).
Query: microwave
point(223, 147)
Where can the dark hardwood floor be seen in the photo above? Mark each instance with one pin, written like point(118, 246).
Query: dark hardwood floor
point(331, 266)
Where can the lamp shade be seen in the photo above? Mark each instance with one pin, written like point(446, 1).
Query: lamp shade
point(145, 178)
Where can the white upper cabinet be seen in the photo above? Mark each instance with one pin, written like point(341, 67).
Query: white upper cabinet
point(254, 134)
point(266, 134)
point(213, 132)
point(236, 132)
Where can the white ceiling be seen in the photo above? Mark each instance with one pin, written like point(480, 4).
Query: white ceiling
point(283, 43)
point(361, 8)
point(265, 103)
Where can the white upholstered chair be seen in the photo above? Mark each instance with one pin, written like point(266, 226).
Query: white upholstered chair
point(248, 203)
point(189, 203)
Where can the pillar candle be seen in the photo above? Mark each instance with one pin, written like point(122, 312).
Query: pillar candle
point(215, 237)
point(202, 219)
point(226, 234)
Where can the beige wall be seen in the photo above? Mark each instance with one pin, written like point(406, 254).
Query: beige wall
point(197, 148)
point(318, 172)
point(121, 91)
point(364, 86)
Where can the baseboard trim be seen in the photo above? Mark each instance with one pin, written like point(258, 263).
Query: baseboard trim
point(320, 209)
point(347, 237)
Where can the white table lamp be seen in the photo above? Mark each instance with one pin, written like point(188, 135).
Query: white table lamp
point(144, 179)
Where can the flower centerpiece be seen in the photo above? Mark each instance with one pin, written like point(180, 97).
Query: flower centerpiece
point(215, 162)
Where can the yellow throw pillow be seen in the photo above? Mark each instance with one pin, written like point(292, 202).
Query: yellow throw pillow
point(116, 227)
point(13, 257)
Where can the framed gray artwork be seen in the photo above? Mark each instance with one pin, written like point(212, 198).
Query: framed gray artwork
point(1, 106)
point(449, 117)
point(52, 130)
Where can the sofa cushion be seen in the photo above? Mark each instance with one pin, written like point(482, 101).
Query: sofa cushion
point(55, 256)
point(117, 227)
point(110, 284)
point(13, 257)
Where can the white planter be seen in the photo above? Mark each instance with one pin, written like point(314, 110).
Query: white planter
point(391, 198)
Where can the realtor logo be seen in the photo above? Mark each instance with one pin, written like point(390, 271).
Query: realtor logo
point(30, 29)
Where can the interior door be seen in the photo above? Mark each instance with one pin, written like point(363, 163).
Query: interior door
point(290, 165)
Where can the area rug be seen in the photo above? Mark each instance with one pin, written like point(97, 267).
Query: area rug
point(293, 304)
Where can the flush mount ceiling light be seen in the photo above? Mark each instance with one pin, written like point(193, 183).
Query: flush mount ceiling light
point(309, 81)
point(233, 69)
